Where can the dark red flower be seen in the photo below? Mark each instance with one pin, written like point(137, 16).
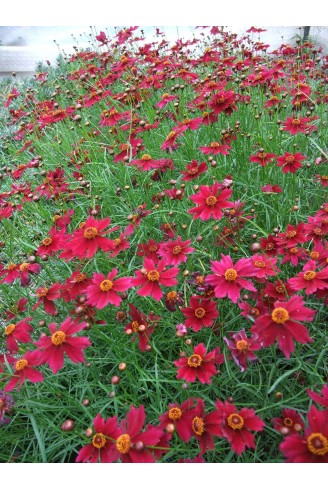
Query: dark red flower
point(215, 148)
point(290, 162)
point(262, 158)
point(180, 416)
point(141, 326)
point(103, 290)
point(321, 400)
point(242, 348)
point(201, 313)
point(310, 279)
point(152, 275)
point(18, 332)
point(297, 125)
point(175, 252)
point(24, 370)
point(199, 365)
point(290, 422)
point(193, 170)
point(46, 297)
point(204, 426)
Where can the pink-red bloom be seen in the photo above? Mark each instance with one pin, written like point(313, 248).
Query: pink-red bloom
point(210, 202)
point(24, 370)
point(193, 170)
point(290, 162)
point(199, 365)
point(242, 348)
point(103, 289)
point(175, 251)
point(180, 416)
point(152, 275)
point(290, 422)
point(310, 279)
point(18, 332)
point(262, 158)
point(320, 399)
point(201, 313)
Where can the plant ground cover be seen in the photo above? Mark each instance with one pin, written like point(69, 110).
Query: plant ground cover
point(164, 259)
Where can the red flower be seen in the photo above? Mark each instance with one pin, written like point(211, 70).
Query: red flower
point(18, 332)
point(62, 341)
point(75, 286)
point(199, 365)
point(236, 425)
point(290, 162)
point(149, 249)
point(165, 99)
point(86, 241)
point(312, 447)
point(175, 251)
point(102, 38)
point(24, 269)
point(223, 101)
point(292, 237)
point(102, 441)
point(215, 148)
point(193, 170)
point(310, 279)
point(24, 370)
point(180, 416)
point(321, 400)
point(271, 189)
point(210, 203)
point(47, 297)
point(282, 325)
point(103, 290)
point(264, 266)
point(147, 162)
point(142, 326)
point(242, 348)
point(297, 125)
point(290, 422)
point(262, 158)
point(201, 313)
point(204, 426)
point(152, 275)
point(228, 277)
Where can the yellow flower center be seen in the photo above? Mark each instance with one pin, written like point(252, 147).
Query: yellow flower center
point(211, 200)
point(193, 171)
point(24, 266)
point(42, 292)
point(230, 275)
point(135, 326)
point(200, 312)
point(153, 248)
point(195, 360)
point(280, 315)
point(324, 177)
point(176, 250)
point(317, 444)
point(289, 159)
point(318, 231)
point(21, 364)
point(58, 338)
point(11, 267)
point(99, 440)
point(153, 276)
point(291, 234)
point(288, 422)
point(172, 296)
point(106, 285)
point(123, 443)
point(259, 263)
point(46, 242)
point(296, 122)
point(198, 425)
point(293, 250)
point(146, 157)
point(309, 275)
point(280, 289)
point(235, 421)
point(165, 95)
point(314, 255)
point(79, 277)
point(175, 413)
point(242, 345)
point(90, 232)
point(10, 328)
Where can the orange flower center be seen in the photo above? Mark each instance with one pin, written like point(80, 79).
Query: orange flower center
point(288, 422)
point(175, 413)
point(117, 242)
point(200, 280)
point(230, 275)
point(280, 315)
point(106, 285)
point(165, 95)
point(99, 440)
point(309, 275)
point(198, 425)
point(10, 328)
point(11, 267)
point(317, 231)
point(90, 232)
point(146, 157)
point(314, 255)
point(46, 242)
point(135, 326)
point(293, 250)
point(291, 234)
point(21, 364)
point(153, 276)
point(324, 177)
point(58, 338)
point(200, 312)
point(193, 171)
point(280, 289)
point(153, 248)
point(211, 200)
point(176, 250)
point(215, 144)
point(123, 443)
point(317, 444)
point(235, 421)
point(172, 296)
point(42, 292)
point(259, 263)
point(242, 345)
point(79, 277)
point(289, 159)
point(171, 135)
point(24, 266)
point(262, 155)
point(195, 360)
point(296, 122)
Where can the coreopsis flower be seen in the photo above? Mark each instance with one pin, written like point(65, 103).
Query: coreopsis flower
point(47, 296)
point(170, 141)
point(292, 236)
point(103, 289)
point(100, 448)
point(102, 38)
point(297, 125)
point(24, 370)
point(242, 348)
point(6, 403)
point(312, 446)
point(282, 325)
point(290, 162)
point(26, 268)
point(180, 416)
point(262, 158)
point(13, 95)
point(75, 285)
point(110, 117)
point(323, 179)
point(228, 278)
point(210, 202)
point(292, 255)
point(215, 148)
point(193, 170)
point(237, 424)
point(320, 399)
point(223, 101)
point(55, 241)
point(149, 249)
point(86, 241)
point(199, 365)
point(17, 307)
point(264, 266)
point(18, 332)
point(204, 426)
point(146, 162)
point(310, 279)
point(120, 243)
point(128, 150)
point(173, 299)
point(316, 229)
point(279, 290)
point(152, 275)
point(141, 326)
point(290, 423)
point(175, 251)
point(165, 99)
point(52, 348)
point(53, 116)
point(201, 313)
point(271, 189)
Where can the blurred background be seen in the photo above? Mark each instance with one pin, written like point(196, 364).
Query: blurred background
point(22, 47)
